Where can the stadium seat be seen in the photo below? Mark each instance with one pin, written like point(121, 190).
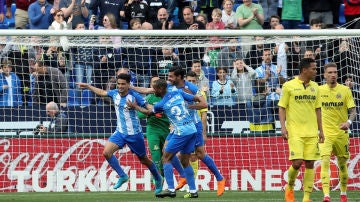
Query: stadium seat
point(86, 97)
point(72, 98)
point(342, 19)
point(235, 7)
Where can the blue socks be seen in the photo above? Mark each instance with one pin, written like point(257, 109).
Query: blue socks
point(209, 162)
point(169, 175)
point(177, 165)
point(189, 173)
point(114, 163)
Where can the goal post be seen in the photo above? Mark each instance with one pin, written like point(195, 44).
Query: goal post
point(249, 157)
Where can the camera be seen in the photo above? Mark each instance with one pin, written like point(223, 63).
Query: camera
point(37, 129)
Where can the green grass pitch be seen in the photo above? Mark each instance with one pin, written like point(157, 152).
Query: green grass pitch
point(128, 196)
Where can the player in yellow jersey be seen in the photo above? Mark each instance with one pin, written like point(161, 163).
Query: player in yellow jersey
point(299, 107)
point(338, 112)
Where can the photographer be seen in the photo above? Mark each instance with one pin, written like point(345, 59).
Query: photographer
point(58, 123)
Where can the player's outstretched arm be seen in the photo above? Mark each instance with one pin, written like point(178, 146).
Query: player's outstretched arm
point(142, 90)
point(282, 118)
point(134, 105)
point(97, 91)
point(200, 103)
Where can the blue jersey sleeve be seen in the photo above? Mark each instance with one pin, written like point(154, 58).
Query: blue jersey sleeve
point(158, 107)
point(139, 99)
point(188, 97)
point(112, 93)
point(192, 87)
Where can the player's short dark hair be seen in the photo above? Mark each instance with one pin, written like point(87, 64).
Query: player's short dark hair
point(161, 83)
point(125, 77)
point(196, 61)
point(178, 71)
point(305, 63)
point(191, 73)
point(330, 64)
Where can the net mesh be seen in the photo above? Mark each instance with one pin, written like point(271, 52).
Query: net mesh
point(248, 159)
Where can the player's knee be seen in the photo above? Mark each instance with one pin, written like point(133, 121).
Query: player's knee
point(296, 164)
point(107, 154)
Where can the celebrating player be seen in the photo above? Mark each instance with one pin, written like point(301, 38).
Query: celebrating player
point(183, 137)
point(128, 130)
point(301, 96)
point(337, 112)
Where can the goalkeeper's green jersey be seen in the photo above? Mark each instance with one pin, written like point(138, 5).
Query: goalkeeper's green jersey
point(155, 123)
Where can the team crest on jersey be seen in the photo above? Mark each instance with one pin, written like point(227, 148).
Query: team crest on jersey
point(312, 89)
point(141, 6)
point(338, 96)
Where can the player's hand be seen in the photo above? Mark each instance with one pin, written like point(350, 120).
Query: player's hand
point(186, 90)
point(284, 133)
point(82, 85)
point(131, 105)
point(344, 126)
point(321, 137)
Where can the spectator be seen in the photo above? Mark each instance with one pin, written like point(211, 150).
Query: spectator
point(39, 14)
point(216, 20)
point(109, 22)
point(269, 74)
point(162, 21)
point(243, 77)
point(274, 20)
point(281, 51)
point(115, 7)
point(228, 15)
point(352, 12)
point(207, 6)
point(270, 9)
point(294, 57)
point(228, 54)
point(2, 12)
point(223, 89)
point(260, 111)
point(135, 24)
point(172, 4)
point(106, 60)
point(21, 12)
point(202, 81)
point(60, 24)
point(353, 85)
point(10, 93)
point(201, 17)
point(56, 57)
point(165, 59)
point(59, 121)
point(51, 82)
point(83, 60)
point(291, 14)
point(190, 54)
point(137, 9)
point(250, 15)
point(74, 9)
point(254, 56)
point(155, 6)
point(322, 10)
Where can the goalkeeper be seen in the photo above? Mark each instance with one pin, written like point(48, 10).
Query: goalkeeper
point(157, 129)
point(338, 112)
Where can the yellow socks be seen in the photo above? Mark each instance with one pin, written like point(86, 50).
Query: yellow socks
point(325, 175)
point(308, 183)
point(292, 174)
point(195, 166)
point(343, 174)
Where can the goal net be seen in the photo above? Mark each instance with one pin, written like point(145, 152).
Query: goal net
point(243, 138)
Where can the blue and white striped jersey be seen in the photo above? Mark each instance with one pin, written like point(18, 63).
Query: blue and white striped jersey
point(127, 120)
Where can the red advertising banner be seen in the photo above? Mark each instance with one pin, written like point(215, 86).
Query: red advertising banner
point(50, 164)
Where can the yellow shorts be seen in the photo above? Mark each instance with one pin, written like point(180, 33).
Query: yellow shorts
point(339, 146)
point(305, 148)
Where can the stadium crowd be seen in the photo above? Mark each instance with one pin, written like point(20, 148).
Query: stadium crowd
point(229, 74)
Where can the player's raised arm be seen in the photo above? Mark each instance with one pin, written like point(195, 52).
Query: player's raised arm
point(200, 101)
point(142, 90)
point(97, 91)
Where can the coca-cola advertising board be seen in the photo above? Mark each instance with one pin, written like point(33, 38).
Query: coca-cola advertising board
point(73, 164)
